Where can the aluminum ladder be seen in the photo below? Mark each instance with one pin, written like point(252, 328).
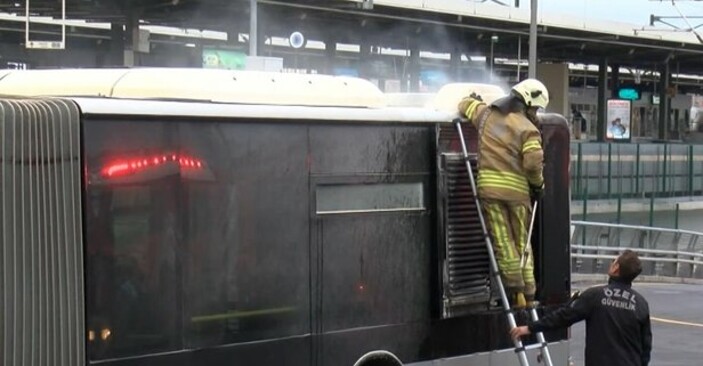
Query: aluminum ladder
point(520, 349)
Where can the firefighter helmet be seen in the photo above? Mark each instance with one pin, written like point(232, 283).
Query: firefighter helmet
point(533, 93)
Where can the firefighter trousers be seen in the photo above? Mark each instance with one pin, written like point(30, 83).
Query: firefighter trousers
point(508, 223)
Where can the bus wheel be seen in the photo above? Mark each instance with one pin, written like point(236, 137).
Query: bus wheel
point(378, 358)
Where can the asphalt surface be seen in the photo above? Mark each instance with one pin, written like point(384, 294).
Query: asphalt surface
point(676, 311)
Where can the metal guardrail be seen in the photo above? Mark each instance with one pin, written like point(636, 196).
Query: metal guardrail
point(665, 252)
point(637, 170)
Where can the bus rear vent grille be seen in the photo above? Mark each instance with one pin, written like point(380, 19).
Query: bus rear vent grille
point(467, 271)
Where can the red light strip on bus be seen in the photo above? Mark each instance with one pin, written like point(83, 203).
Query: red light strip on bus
point(134, 165)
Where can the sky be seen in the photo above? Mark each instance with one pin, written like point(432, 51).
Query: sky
point(629, 11)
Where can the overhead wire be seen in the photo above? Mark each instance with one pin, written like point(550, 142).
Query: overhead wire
point(685, 19)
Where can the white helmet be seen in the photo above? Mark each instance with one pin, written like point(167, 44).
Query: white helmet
point(533, 93)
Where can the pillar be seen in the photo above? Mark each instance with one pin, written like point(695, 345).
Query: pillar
point(556, 78)
point(414, 69)
point(602, 98)
point(131, 39)
point(330, 54)
point(364, 57)
point(253, 28)
point(117, 46)
point(455, 65)
point(614, 80)
point(664, 101)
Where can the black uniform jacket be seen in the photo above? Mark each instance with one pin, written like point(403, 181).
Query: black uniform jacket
point(618, 331)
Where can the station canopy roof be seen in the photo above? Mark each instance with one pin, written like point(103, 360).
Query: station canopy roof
point(443, 26)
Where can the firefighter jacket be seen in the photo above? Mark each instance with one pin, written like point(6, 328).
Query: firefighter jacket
point(510, 152)
point(618, 330)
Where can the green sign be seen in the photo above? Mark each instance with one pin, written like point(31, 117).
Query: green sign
point(223, 59)
point(629, 94)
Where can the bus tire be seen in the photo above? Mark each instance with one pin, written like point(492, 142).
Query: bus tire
point(378, 358)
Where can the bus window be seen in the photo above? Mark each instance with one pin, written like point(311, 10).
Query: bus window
point(132, 221)
point(197, 236)
point(246, 272)
point(383, 197)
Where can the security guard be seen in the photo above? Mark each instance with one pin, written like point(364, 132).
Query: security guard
point(618, 327)
point(509, 174)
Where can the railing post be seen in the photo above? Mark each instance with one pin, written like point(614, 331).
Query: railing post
point(663, 190)
point(585, 214)
point(673, 187)
point(692, 244)
point(620, 175)
point(676, 217)
point(610, 163)
point(690, 170)
point(600, 172)
point(651, 209)
point(637, 170)
point(655, 172)
point(693, 266)
point(579, 161)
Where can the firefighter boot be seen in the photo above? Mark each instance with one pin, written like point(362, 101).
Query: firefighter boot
point(530, 301)
point(519, 309)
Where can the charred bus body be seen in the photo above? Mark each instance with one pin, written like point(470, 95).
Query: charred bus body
point(286, 227)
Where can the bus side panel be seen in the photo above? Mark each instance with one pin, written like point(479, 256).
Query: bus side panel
point(373, 239)
point(283, 352)
point(421, 341)
point(552, 226)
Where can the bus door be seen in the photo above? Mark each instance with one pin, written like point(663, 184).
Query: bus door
point(372, 230)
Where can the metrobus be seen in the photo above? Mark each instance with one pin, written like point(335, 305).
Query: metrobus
point(215, 217)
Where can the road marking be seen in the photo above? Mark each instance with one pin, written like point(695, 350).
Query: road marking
point(677, 322)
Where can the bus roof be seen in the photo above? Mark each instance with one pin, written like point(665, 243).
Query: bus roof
point(164, 108)
point(225, 86)
point(237, 93)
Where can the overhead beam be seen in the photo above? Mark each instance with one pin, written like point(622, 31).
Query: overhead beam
point(619, 41)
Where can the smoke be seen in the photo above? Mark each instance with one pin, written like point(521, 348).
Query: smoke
point(390, 41)
point(460, 56)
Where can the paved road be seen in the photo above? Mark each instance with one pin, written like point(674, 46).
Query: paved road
point(677, 324)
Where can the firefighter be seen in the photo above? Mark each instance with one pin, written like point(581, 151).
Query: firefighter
point(510, 159)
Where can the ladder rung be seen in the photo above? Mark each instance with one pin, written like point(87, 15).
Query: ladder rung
point(532, 346)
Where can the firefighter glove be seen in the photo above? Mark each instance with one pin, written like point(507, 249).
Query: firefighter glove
point(468, 105)
point(536, 192)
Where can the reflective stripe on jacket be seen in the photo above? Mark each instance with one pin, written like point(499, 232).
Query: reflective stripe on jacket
point(510, 152)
